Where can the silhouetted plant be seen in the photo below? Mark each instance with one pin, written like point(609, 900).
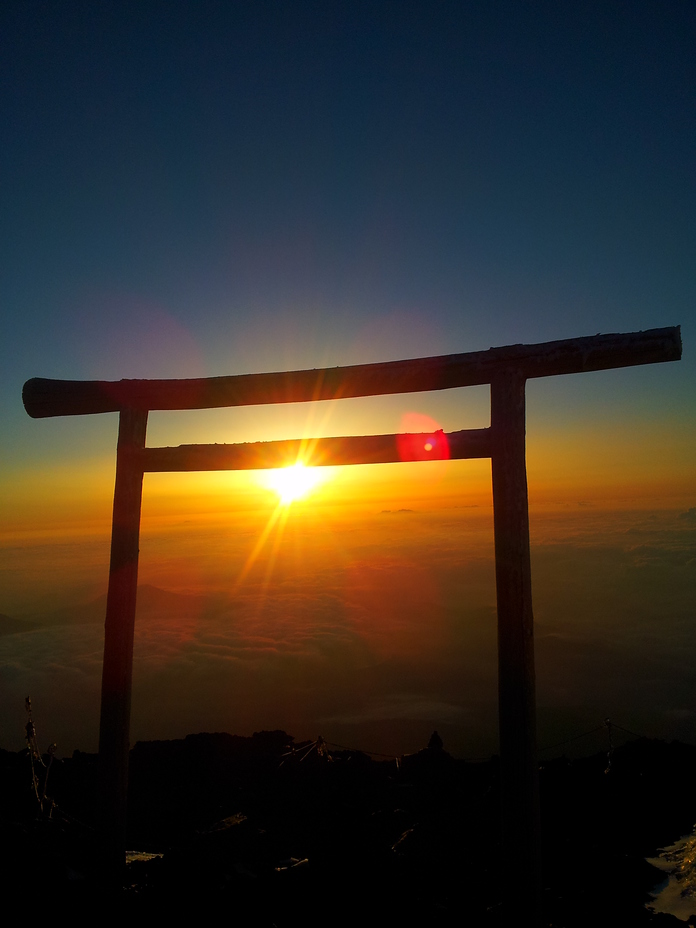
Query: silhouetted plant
point(45, 803)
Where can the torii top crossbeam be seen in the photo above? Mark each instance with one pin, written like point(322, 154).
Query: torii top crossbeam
point(569, 356)
point(505, 369)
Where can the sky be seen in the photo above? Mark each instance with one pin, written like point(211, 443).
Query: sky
point(206, 188)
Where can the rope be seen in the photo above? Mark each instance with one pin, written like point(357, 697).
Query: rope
point(342, 747)
point(628, 731)
point(607, 724)
point(559, 744)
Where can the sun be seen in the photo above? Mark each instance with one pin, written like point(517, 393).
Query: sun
point(293, 482)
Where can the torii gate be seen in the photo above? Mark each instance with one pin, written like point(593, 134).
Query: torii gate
point(505, 369)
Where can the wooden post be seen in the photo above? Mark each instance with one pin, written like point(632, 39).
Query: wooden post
point(117, 671)
point(521, 853)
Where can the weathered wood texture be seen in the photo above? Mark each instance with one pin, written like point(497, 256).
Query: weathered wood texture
point(321, 452)
point(599, 352)
point(117, 670)
point(516, 676)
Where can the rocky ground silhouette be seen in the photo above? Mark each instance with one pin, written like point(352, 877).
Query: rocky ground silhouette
point(274, 833)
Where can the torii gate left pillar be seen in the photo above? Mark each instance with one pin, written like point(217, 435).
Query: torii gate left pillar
point(119, 630)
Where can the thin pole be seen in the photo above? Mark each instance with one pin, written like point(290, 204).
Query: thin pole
point(521, 852)
point(117, 672)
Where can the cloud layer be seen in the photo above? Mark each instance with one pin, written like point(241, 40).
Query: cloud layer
point(379, 631)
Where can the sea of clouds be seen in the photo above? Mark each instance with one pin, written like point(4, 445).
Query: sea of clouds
point(373, 631)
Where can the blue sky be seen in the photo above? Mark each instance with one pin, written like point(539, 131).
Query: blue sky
point(213, 188)
point(206, 188)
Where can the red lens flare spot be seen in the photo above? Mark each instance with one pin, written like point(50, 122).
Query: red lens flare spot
point(422, 439)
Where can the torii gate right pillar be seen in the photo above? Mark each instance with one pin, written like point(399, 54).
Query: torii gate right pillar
point(519, 778)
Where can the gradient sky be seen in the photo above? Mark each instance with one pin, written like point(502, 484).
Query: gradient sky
point(206, 188)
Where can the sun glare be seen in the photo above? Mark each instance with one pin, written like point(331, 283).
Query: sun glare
point(293, 482)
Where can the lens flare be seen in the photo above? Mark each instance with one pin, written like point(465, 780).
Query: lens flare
point(421, 439)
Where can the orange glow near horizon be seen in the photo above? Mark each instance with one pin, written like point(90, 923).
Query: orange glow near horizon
point(602, 463)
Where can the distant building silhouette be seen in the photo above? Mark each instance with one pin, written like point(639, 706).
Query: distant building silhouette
point(435, 743)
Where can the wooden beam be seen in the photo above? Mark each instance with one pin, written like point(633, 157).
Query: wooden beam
point(570, 356)
point(519, 780)
point(321, 452)
point(117, 670)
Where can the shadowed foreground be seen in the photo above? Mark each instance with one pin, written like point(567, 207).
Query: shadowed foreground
point(279, 837)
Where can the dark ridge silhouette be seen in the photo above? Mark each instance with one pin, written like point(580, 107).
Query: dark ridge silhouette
point(279, 833)
point(12, 626)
